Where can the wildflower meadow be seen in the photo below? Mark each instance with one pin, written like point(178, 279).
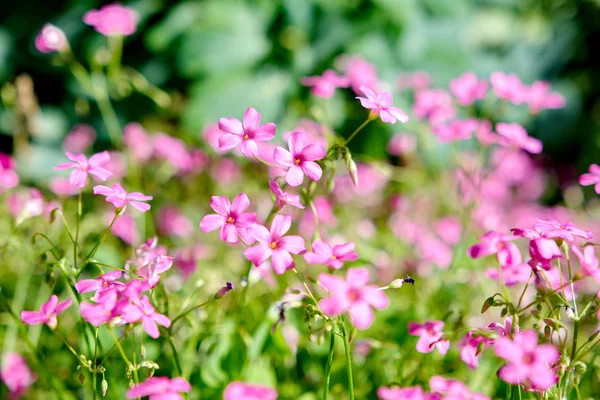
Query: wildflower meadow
point(390, 236)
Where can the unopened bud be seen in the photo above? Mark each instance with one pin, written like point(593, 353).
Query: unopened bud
point(224, 290)
point(104, 387)
point(352, 171)
point(570, 312)
point(143, 351)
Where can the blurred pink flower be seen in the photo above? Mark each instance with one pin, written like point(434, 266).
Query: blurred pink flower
point(79, 139)
point(230, 217)
point(333, 257)
point(300, 159)
point(225, 171)
point(173, 150)
point(381, 104)
point(588, 261)
point(456, 130)
point(145, 312)
point(449, 229)
point(417, 80)
point(542, 251)
point(485, 134)
point(172, 222)
point(435, 105)
point(471, 347)
point(160, 388)
point(245, 133)
point(124, 227)
point(120, 198)
point(430, 336)
point(82, 167)
point(246, 391)
point(551, 229)
point(211, 134)
point(591, 178)
point(505, 329)
point(51, 39)
point(138, 142)
point(186, 259)
point(452, 389)
point(540, 98)
point(360, 73)
point(499, 244)
point(61, 187)
point(467, 88)
point(100, 285)
point(529, 364)
point(283, 199)
point(273, 244)
point(47, 314)
point(508, 87)
point(112, 19)
point(152, 270)
point(8, 178)
point(401, 144)
point(514, 135)
point(16, 375)
point(511, 274)
point(325, 85)
point(408, 393)
point(353, 294)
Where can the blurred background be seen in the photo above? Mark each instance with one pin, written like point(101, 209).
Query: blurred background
point(217, 57)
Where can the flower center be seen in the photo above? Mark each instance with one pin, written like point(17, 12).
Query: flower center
point(230, 220)
point(273, 245)
point(297, 161)
point(333, 257)
point(528, 358)
point(105, 284)
point(353, 295)
point(246, 137)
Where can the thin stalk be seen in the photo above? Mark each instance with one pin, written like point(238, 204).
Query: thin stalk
point(103, 238)
point(134, 357)
point(175, 355)
point(369, 119)
point(94, 384)
point(305, 286)
point(118, 343)
point(348, 361)
point(189, 310)
point(76, 242)
point(328, 366)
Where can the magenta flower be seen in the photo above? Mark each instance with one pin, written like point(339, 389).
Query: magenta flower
point(591, 178)
point(456, 130)
point(409, 393)
point(497, 243)
point(16, 375)
point(529, 364)
point(504, 329)
point(360, 73)
point(112, 19)
point(283, 199)
point(509, 87)
point(467, 88)
point(173, 150)
point(300, 159)
point(79, 139)
point(551, 229)
point(8, 178)
point(47, 314)
point(435, 105)
point(101, 312)
point(401, 144)
point(325, 85)
point(354, 294)
point(542, 252)
point(452, 389)
point(230, 217)
point(120, 198)
point(333, 257)
point(471, 347)
point(51, 39)
point(381, 104)
point(430, 336)
point(588, 261)
point(245, 391)
point(101, 284)
point(514, 135)
point(160, 388)
point(539, 97)
point(172, 222)
point(152, 270)
point(138, 142)
point(272, 244)
point(82, 167)
point(145, 312)
point(245, 133)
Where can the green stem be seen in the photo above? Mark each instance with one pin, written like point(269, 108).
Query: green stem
point(103, 238)
point(76, 242)
point(175, 355)
point(189, 310)
point(328, 366)
point(94, 384)
point(118, 343)
point(306, 286)
point(134, 357)
point(348, 361)
point(369, 119)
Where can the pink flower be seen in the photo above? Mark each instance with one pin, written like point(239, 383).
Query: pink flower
point(354, 294)
point(452, 389)
point(470, 349)
point(245, 391)
point(511, 273)
point(529, 364)
point(8, 178)
point(245, 133)
point(272, 244)
point(102, 284)
point(499, 244)
point(186, 259)
point(152, 270)
point(283, 199)
point(51, 39)
point(542, 251)
point(361, 73)
point(332, 257)
point(417, 80)
point(171, 222)
point(48, 312)
point(467, 88)
point(381, 104)
point(124, 227)
point(508, 87)
point(173, 150)
point(514, 135)
point(401, 144)
point(145, 312)
point(15, 373)
point(112, 19)
point(160, 388)
point(551, 229)
point(300, 159)
point(120, 198)
point(230, 217)
point(409, 393)
point(82, 167)
point(435, 105)
point(591, 178)
point(101, 312)
point(456, 130)
point(504, 329)
point(325, 85)
point(430, 336)
point(61, 187)
point(540, 98)
point(138, 142)
point(80, 139)
point(588, 261)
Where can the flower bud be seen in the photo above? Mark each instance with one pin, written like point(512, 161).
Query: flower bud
point(224, 290)
point(104, 387)
point(51, 39)
point(570, 313)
